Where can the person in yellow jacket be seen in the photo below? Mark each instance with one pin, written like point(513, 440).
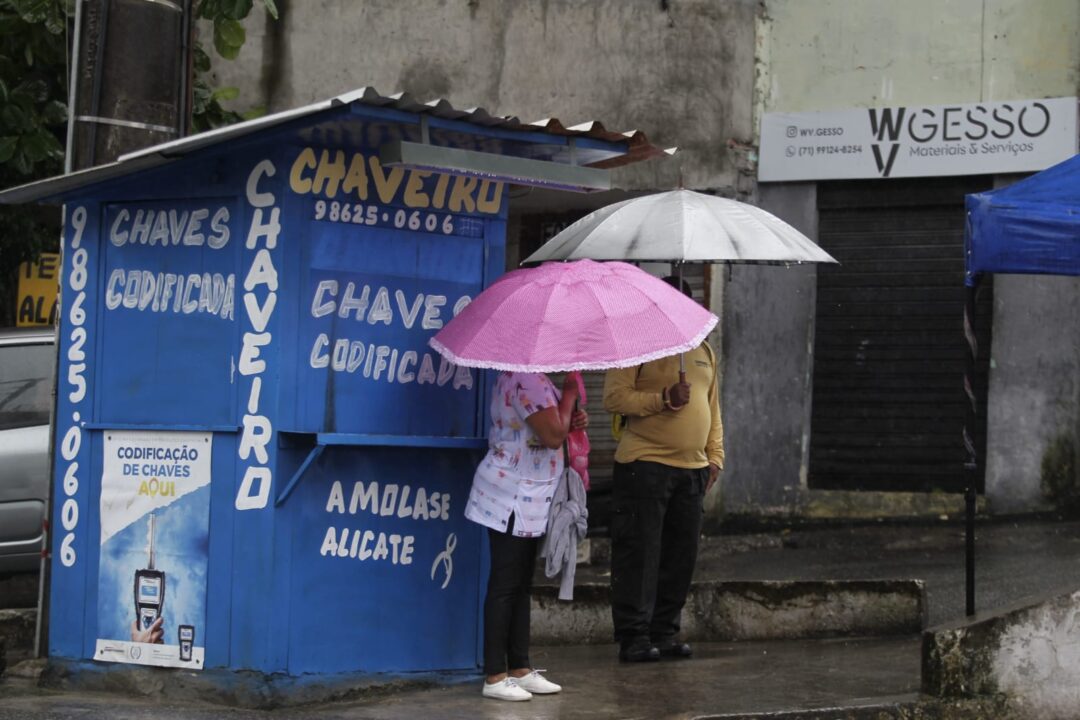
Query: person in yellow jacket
point(670, 454)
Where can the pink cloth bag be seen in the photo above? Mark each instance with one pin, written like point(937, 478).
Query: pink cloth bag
point(577, 442)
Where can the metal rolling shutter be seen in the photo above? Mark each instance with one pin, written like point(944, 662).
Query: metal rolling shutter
point(889, 351)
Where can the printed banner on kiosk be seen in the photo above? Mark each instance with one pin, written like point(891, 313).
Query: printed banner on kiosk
point(155, 517)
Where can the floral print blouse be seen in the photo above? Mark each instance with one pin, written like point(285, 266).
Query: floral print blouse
point(518, 475)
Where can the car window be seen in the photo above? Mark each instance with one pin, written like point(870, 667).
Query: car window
point(25, 385)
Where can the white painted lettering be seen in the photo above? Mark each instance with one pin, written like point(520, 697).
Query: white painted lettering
point(192, 236)
point(249, 353)
point(431, 319)
point(255, 437)
point(254, 197)
point(320, 307)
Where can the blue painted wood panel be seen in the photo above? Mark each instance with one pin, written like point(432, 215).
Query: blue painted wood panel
point(169, 311)
point(376, 533)
point(73, 543)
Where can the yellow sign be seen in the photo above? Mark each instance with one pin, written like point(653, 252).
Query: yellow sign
point(38, 283)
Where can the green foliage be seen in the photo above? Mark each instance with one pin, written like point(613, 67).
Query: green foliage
point(229, 36)
point(33, 113)
point(33, 117)
point(32, 89)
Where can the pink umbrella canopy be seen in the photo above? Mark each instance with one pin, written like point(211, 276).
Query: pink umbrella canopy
point(581, 315)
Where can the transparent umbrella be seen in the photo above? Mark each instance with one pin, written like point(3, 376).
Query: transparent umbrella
point(682, 226)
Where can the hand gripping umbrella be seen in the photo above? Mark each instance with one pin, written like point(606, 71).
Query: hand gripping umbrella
point(682, 226)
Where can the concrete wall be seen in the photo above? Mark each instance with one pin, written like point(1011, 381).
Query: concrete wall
point(1034, 386)
point(768, 315)
point(1027, 654)
point(680, 70)
point(833, 54)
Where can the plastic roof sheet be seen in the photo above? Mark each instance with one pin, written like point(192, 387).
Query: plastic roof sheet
point(1032, 226)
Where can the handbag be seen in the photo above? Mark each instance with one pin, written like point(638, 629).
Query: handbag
point(577, 443)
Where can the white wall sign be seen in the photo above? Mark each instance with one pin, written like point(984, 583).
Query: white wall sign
point(916, 141)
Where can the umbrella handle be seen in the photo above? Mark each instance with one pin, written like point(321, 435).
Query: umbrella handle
point(682, 368)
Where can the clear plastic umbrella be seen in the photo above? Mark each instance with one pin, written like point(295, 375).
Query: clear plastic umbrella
point(682, 226)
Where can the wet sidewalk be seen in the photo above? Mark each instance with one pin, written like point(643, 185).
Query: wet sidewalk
point(724, 679)
point(783, 679)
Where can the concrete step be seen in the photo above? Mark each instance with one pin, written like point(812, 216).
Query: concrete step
point(16, 635)
point(716, 611)
point(720, 611)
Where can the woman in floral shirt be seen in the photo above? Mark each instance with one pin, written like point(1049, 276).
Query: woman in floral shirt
point(511, 495)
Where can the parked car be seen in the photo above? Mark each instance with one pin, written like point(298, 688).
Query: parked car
point(26, 369)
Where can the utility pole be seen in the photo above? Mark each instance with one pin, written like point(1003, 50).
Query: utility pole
point(129, 89)
point(130, 79)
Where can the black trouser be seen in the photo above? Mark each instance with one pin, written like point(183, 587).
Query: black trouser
point(655, 524)
point(506, 607)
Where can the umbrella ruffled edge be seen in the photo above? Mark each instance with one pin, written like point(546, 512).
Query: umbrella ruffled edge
point(601, 365)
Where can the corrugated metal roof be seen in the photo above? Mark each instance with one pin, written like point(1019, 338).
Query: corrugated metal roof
point(638, 145)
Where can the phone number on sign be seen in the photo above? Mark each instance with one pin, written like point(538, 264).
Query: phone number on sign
point(838, 149)
point(360, 214)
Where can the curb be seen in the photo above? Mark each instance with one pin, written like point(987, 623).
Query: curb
point(762, 610)
point(1023, 652)
point(238, 689)
point(903, 708)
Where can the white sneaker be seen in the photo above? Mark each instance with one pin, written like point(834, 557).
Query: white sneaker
point(506, 689)
point(537, 684)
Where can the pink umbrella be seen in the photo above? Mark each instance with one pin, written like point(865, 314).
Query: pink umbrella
point(581, 315)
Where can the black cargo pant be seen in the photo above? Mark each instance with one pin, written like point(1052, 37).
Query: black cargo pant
point(655, 524)
point(506, 606)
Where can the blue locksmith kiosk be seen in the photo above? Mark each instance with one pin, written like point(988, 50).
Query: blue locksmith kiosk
point(260, 465)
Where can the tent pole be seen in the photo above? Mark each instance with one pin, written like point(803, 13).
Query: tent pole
point(971, 459)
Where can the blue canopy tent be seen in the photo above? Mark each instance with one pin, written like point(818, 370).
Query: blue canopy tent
point(1030, 227)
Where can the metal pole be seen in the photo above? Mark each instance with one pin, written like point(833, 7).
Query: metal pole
point(682, 356)
point(69, 158)
point(185, 73)
point(971, 462)
point(41, 624)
